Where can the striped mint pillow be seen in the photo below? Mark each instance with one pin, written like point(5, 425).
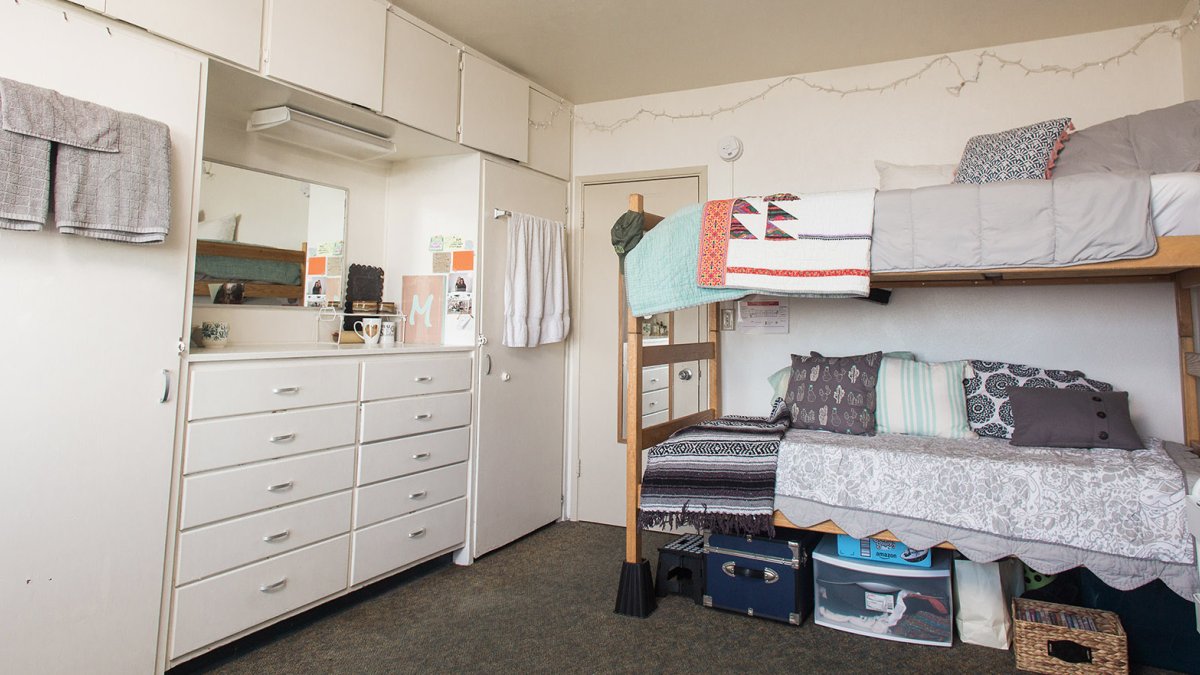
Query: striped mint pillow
point(922, 399)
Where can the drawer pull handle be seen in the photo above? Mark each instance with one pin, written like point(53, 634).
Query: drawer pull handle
point(418, 533)
point(418, 495)
point(280, 487)
point(423, 378)
point(421, 455)
point(423, 416)
point(271, 588)
point(278, 536)
point(652, 404)
point(285, 390)
point(283, 438)
point(767, 574)
point(653, 380)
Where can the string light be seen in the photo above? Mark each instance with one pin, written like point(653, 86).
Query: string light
point(944, 61)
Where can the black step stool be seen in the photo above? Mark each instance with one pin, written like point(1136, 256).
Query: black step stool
point(681, 568)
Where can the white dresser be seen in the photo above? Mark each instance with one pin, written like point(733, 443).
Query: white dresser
point(308, 473)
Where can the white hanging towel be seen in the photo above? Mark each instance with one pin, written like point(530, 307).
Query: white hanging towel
point(536, 309)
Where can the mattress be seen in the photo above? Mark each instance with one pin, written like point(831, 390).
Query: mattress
point(1175, 203)
point(1122, 514)
point(229, 268)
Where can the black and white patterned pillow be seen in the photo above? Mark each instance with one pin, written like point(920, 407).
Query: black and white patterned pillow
point(988, 409)
point(1017, 154)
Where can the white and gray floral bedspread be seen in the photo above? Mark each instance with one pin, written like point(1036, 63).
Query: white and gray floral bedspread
point(1119, 513)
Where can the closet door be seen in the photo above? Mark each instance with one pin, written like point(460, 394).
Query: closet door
point(86, 437)
point(495, 109)
point(519, 426)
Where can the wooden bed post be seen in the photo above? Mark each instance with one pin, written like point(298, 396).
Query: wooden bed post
point(1187, 365)
point(635, 594)
point(714, 365)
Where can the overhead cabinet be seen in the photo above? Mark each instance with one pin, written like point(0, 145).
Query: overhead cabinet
point(550, 140)
point(420, 86)
point(335, 47)
point(229, 29)
point(495, 109)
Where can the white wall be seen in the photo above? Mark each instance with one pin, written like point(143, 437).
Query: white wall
point(1190, 48)
point(801, 140)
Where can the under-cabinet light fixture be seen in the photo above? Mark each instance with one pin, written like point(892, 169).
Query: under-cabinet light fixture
point(300, 128)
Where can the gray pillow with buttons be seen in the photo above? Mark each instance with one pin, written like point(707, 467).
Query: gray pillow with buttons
point(1069, 418)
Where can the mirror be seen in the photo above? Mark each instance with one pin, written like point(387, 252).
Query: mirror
point(265, 239)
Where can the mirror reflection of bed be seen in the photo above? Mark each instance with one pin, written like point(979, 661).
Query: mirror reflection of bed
point(265, 239)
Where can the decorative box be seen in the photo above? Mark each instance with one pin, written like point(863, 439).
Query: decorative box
point(759, 576)
point(882, 550)
point(1053, 638)
point(884, 600)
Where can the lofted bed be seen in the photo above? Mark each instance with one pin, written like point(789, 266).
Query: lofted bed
point(1176, 261)
point(265, 271)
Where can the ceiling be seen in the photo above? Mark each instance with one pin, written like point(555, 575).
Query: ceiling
point(597, 50)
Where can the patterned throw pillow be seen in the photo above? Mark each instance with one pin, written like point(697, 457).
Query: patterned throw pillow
point(834, 393)
point(1017, 154)
point(922, 399)
point(988, 408)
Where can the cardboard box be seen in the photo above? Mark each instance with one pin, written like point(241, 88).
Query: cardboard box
point(881, 550)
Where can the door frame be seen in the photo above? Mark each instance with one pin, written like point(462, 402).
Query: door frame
point(578, 183)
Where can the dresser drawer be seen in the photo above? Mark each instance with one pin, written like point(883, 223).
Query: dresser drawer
point(656, 377)
point(233, 492)
point(216, 443)
point(234, 389)
point(655, 418)
point(399, 496)
point(408, 416)
point(402, 456)
point(209, 610)
point(395, 543)
point(656, 401)
point(392, 377)
point(205, 551)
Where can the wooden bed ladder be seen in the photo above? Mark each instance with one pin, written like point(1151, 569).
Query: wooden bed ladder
point(635, 595)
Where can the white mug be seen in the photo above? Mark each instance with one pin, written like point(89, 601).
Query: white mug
point(370, 329)
point(389, 333)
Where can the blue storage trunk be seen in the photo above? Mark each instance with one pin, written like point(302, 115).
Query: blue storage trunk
point(759, 576)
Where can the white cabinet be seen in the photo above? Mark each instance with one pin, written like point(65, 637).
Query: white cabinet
point(335, 47)
point(420, 79)
point(95, 5)
point(229, 29)
point(550, 139)
point(495, 109)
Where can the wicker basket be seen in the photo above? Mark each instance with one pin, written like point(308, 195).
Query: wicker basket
point(1049, 648)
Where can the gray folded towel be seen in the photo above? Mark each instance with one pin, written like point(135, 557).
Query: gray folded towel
point(111, 169)
point(123, 196)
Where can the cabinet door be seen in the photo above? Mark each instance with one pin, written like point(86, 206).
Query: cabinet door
point(97, 5)
point(331, 46)
point(420, 85)
point(229, 29)
point(549, 146)
point(495, 109)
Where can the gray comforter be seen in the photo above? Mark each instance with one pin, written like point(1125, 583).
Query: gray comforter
point(1073, 220)
point(1119, 513)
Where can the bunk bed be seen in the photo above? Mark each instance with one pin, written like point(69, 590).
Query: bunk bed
point(265, 271)
point(1176, 261)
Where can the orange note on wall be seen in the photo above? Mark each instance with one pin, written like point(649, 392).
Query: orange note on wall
point(316, 266)
point(464, 261)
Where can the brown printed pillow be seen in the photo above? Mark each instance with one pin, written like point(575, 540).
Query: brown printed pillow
point(834, 393)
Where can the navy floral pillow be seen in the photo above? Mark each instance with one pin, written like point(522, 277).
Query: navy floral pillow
point(989, 412)
point(834, 393)
point(1017, 154)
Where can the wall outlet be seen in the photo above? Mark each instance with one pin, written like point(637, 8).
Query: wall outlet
point(727, 319)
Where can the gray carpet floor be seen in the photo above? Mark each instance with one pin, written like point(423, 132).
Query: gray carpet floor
point(545, 604)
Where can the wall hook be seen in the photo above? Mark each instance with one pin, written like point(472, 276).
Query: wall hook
point(65, 16)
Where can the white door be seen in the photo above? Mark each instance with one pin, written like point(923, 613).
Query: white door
point(87, 445)
point(601, 469)
point(519, 424)
point(230, 29)
point(420, 79)
point(495, 109)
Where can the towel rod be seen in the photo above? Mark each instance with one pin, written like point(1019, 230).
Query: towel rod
point(502, 213)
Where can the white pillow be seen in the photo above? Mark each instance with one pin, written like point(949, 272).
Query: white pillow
point(912, 176)
point(922, 399)
point(221, 229)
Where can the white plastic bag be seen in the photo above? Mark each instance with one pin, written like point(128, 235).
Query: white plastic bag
point(983, 593)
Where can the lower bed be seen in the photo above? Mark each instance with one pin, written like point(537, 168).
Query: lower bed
point(1122, 514)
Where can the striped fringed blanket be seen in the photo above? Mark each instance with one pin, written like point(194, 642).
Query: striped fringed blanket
point(815, 244)
point(717, 475)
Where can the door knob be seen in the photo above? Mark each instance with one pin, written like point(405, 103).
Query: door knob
point(685, 374)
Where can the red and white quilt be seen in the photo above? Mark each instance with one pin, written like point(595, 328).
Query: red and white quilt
point(817, 244)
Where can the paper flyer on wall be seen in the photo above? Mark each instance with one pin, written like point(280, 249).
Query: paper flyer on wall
point(763, 315)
